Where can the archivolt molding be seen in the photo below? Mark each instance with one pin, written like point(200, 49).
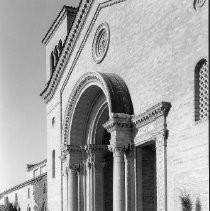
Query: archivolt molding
point(69, 45)
point(114, 89)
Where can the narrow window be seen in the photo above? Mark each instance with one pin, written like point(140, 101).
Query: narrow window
point(56, 56)
point(52, 62)
point(201, 90)
point(28, 193)
point(44, 188)
point(60, 47)
point(53, 164)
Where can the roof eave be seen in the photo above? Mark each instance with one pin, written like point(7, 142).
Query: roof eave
point(62, 14)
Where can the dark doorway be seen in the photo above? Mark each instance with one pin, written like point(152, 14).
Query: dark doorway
point(146, 178)
point(108, 176)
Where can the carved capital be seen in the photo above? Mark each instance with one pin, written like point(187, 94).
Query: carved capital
point(74, 168)
point(129, 152)
point(118, 121)
point(118, 149)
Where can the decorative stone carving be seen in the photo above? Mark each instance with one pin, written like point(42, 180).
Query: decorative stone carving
point(94, 148)
point(198, 4)
point(95, 155)
point(117, 121)
point(161, 139)
point(74, 168)
point(117, 149)
point(101, 42)
point(71, 149)
point(107, 82)
point(161, 109)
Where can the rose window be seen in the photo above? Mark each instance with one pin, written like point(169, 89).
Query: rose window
point(101, 43)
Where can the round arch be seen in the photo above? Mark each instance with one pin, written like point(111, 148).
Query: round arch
point(93, 91)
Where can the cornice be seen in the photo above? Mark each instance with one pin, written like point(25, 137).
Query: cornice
point(72, 37)
point(160, 109)
point(32, 166)
point(28, 182)
point(62, 14)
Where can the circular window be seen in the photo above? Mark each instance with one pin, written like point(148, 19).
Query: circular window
point(101, 42)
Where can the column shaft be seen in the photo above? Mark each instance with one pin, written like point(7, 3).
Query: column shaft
point(72, 190)
point(119, 182)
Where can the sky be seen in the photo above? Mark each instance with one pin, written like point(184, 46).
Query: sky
point(23, 24)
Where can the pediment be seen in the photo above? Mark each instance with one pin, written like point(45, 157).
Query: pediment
point(79, 22)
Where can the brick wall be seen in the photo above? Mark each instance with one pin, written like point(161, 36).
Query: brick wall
point(154, 47)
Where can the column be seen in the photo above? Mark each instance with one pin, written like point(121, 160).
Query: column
point(120, 128)
point(72, 188)
point(118, 178)
point(81, 190)
point(129, 180)
point(161, 172)
point(96, 175)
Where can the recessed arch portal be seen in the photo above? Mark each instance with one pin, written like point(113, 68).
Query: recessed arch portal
point(93, 89)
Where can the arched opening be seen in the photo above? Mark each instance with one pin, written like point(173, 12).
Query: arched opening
point(201, 90)
point(90, 113)
point(93, 100)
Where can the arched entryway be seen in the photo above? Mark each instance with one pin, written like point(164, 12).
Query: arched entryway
point(94, 101)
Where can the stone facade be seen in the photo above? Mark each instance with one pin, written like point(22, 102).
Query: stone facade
point(121, 105)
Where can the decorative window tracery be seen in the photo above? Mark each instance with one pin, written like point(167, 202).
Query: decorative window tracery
point(201, 90)
point(101, 42)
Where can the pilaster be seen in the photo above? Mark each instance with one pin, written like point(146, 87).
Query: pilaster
point(161, 170)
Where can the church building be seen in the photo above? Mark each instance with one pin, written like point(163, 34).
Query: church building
point(127, 106)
